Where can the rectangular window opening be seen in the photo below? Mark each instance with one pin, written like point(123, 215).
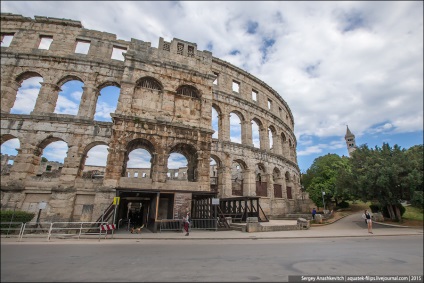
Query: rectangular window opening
point(269, 104)
point(45, 42)
point(190, 52)
point(180, 48)
point(117, 53)
point(215, 82)
point(6, 39)
point(135, 174)
point(82, 47)
point(48, 168)
point(236, 86)
point(254, 95)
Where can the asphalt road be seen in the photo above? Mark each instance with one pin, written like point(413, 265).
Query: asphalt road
point(210, 260)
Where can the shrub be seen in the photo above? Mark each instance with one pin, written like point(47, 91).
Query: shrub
point(417, 199)
point(343, 204)
point(375, 207)
point(19, 216)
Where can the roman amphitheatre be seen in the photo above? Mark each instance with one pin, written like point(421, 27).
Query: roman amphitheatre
point(167, 95)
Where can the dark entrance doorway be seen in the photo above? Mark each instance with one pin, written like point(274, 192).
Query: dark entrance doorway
point(137, 208)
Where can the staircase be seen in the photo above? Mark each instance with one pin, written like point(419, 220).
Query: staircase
point(104, 217)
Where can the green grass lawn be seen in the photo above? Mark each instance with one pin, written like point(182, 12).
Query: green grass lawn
point(413, 213)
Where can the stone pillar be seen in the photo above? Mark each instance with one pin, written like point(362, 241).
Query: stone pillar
point(159, 167)
point(224, 181)
point(225, 120)
point(47, 98)
point(89, 97)
point(277, 147)
point(115, 161)
point(285, 148)
point(203, 168)
point(8, 95)
point(246, 131)
point(26, 162)
point(269, 185)
point(125, 98)
point(263, 136)
point(71, 166)
point(249, 184)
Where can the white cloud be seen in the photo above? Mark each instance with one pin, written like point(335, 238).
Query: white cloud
point(66, 106)
point(335, 63)
point(9, 147)
point(97, 156)
point(139, 158)
point(56, 151)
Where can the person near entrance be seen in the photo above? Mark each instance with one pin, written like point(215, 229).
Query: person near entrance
point(314, 211)
point(187, 220)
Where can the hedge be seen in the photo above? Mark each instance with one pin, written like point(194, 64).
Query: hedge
point(19, 216)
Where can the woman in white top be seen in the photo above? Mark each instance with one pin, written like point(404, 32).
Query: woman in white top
point(367, 216)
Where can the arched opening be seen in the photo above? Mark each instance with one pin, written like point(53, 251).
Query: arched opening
point(278, 188)
point(27, 94)
point(149, 83)
point(107, 103)
point(177, 167)
point(237, 177)
point(235, 127)
point(69, 97)
point(188, 90)
point(9, 147)
point(271, 136)
point(215, 122)
point(284, 145)
point(261, 183)
point(53, 152)
point(256, 138)
point(138, 159)
point(182, 160)
point(288, 185)
point(213, 173)
point(94, 161)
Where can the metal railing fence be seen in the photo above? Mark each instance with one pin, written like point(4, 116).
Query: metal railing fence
point(11, 226)
point(196, 224)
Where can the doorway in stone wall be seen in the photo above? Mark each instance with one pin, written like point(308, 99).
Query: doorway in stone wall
point(137, 208)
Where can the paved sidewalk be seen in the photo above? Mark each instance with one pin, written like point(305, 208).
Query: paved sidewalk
point(349, 226)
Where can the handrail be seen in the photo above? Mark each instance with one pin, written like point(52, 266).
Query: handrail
point(50, 228)
point(21, 224)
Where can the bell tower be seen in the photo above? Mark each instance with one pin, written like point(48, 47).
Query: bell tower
point(350, 141)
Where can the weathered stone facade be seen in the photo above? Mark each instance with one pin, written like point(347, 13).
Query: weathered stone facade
point(165, 105)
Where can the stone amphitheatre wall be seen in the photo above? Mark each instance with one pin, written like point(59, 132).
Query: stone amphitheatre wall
point(165, 106)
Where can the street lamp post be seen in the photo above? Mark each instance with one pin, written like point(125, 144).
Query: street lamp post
point(323, 201)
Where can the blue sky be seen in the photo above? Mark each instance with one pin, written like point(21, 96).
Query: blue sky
point(336, 63)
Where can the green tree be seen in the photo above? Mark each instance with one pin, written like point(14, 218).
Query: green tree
point(43, 159)
point(322, 176)
point(381, 174)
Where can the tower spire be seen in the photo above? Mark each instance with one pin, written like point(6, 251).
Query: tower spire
point(350, 141)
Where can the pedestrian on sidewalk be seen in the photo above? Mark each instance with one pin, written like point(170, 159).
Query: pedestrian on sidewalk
point(314, 211)
point(187, 220)
point(367, 217)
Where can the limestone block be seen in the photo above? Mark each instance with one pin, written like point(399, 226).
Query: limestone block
point(253, 227)
point(252, 220)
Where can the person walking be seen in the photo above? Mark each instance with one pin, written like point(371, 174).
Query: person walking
point(187, 220)
point(367, 217)
point(314, 211)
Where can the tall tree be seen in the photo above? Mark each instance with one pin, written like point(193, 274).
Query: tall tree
point(322, 177)
point(381, 174)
